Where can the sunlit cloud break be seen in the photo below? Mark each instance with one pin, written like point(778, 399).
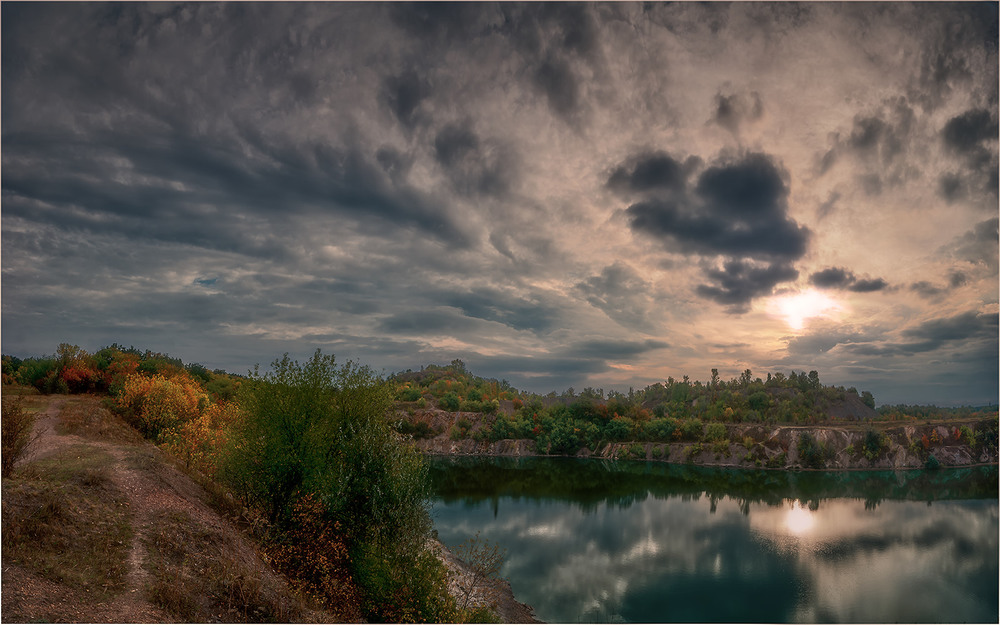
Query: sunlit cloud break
point(559, 194)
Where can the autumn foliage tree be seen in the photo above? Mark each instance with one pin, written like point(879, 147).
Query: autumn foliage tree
point(157, 404)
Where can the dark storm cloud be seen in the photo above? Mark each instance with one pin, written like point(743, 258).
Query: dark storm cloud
point(621, 294)
point(474, 167)
point(417, 322)
point(613, 350)
point(520, 313)
point(740, 282)
point(403, 94)
point(654, 171)
point(971, 136)
point(833, 277)
point(951, 187)
point(177, 151)
point(962, 331)
point(969, 325)
point(733, 110)
point(979, 245)
point(958, 35)
point(839, 278)
point(312, 179)
point(556, 81)
point(965, 133)
point(738, 209)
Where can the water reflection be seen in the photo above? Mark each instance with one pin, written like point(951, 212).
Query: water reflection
point(799, 520)
point(728, 557)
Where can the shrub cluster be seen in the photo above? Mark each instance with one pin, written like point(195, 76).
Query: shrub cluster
point(15, 433)
point(318, 432)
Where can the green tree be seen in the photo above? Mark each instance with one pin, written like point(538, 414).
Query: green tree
point(868, 399)
point(318, 428)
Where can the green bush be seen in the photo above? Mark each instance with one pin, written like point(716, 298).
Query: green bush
point(715, 432)
point(661, 429)
point(416, 429)
point(759, 401)
point(874, 443)
point(812, 453)
point(691, 429)
point(401, 586)
point(932, 463)
point(320, 430)
point(409, 394)
point(617, 429)
point(966, 435)
point(450, 401)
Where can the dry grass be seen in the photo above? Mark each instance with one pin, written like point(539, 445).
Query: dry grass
point(84, 416)
point(65, 520)
point(193, 580)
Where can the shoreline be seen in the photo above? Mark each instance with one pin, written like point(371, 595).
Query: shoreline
point(753, 446)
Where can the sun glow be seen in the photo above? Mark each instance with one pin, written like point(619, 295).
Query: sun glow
point(796, 308)
point(799, 520)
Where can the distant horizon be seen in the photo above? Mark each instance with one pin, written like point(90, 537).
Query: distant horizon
point(559, 194)
point(265, 366)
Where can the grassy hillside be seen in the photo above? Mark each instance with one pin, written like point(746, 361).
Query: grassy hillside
point(99, 525)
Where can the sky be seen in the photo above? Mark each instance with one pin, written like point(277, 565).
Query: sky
point(560, 195)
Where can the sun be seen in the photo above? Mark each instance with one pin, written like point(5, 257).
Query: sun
point(797, 307)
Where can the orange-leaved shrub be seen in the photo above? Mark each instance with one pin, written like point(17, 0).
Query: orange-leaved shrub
point(156, 404)
point(313, 553)
point(200, 441)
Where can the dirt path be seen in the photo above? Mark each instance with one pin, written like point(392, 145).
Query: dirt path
point(153, 489)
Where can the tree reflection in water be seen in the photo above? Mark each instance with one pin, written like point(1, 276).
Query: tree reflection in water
point(596, 541)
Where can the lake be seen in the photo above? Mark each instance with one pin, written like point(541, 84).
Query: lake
point(601, 541)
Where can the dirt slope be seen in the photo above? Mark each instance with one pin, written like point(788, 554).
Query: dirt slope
point(182, 562)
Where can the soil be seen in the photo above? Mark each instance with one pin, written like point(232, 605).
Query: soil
point(153, 489)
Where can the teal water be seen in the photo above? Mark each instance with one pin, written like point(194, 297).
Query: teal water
point(596, 541)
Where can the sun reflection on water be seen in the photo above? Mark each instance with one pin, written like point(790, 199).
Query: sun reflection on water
point(799, 520)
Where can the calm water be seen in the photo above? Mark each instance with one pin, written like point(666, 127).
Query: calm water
point(595, 541)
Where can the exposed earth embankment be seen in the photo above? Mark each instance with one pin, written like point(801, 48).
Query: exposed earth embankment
point(830, 447)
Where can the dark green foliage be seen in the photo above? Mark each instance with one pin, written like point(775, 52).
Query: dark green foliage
point(715, 432)
point(320, 429)
point(661, 429)
point(416, 429)
point(759, 401)
point(410, 394)
point(868, 399)
point(874, 443)
point(812, 453)
point(691, 429)
point(932, 463)
point(450, 401)
point(617, 430)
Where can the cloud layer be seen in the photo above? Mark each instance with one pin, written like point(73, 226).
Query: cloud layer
point(559, 194)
